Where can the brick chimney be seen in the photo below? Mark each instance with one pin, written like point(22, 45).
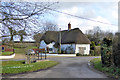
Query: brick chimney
point(69, 26)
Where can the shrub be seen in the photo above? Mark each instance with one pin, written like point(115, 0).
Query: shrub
point(92, 52)
point(106, 55)
point(92, 45)
point(78, 54)
point(116, 52)
point(97, 51)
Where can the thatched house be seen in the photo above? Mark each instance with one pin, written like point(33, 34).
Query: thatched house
point(70, 41)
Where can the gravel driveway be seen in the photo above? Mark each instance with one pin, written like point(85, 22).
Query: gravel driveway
point(69, 67)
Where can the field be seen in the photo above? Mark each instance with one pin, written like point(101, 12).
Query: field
point(19, 48)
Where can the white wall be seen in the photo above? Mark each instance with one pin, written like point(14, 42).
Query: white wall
point(7, 57)
point(51, 46)
point(65, 46)
point(43, 44)
point(83, 45)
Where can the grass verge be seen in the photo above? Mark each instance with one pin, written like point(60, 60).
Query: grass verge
point(6, 53)
point(23, 50)
point(111, 71)
point(14, 67)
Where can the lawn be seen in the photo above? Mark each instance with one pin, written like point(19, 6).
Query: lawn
point(6, 53)
point(111, 71)
point(13, 67)
point(23, 50)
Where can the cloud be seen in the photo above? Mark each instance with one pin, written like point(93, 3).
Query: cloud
point(84, 25)
point(115, 14)
point(105, 27)
point(103, 12)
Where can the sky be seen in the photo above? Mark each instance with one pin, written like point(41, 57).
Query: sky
point(106, 12)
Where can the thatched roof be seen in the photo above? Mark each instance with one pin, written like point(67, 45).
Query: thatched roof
point(73, 36)
point(50, 36)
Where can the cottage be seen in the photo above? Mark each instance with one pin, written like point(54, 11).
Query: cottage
point(68, 41)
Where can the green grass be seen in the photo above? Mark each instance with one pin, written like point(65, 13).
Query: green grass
point(32, 47)
point(23, 50)
point(20, 50)
point(111, 71)
point(13, 67)
point(6, 53)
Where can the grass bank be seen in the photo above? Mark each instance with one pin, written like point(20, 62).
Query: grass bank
point(23, 50)
point(111, 71)
point(14, 67)
point(7, 53)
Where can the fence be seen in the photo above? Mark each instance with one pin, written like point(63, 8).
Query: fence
point(39, 53)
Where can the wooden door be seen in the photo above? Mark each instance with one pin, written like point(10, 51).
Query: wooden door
point(81, 50)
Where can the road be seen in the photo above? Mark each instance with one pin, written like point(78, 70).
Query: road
point(69, 67)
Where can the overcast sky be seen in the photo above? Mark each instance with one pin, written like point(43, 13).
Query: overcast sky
point(106, 12)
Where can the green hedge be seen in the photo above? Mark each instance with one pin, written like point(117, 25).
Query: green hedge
point(106, 55)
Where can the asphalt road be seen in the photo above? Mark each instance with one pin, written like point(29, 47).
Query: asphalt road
point(69, 67)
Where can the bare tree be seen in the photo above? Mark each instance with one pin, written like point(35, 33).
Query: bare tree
point(37, 38)
point(49, 26)
point(22, 33)
point(96, 35)
point(20, 15)
point(12, 33)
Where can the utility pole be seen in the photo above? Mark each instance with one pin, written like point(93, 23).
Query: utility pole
point(60, 42)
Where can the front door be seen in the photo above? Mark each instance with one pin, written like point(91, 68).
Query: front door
point(81, 50)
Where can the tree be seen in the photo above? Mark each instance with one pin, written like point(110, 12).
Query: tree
point(22, 33)
point(18, 15)
point(37, 38)
point(12, 33)
point(95, 35)
point(98, 35)
point(49, 26)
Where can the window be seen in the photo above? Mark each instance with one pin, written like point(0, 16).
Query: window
point(84, 48)
point(50, 49)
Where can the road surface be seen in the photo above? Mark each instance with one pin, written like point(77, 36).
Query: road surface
point(69, 67)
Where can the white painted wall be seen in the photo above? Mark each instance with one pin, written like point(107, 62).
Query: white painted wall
point(51, 46)
point(83, 45)
point(65, 46)
point(42, 44)
point(7, 57)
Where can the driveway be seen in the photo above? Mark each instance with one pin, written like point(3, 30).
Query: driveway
point(69, 67)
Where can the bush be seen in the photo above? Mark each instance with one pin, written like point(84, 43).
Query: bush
point(106, 55)
point(92, 52)
point(20, 45)
point(111, 71)
point(97, 51)
point(106, 52)
point(78, 54)
point(92, 45)
point(116, 53)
